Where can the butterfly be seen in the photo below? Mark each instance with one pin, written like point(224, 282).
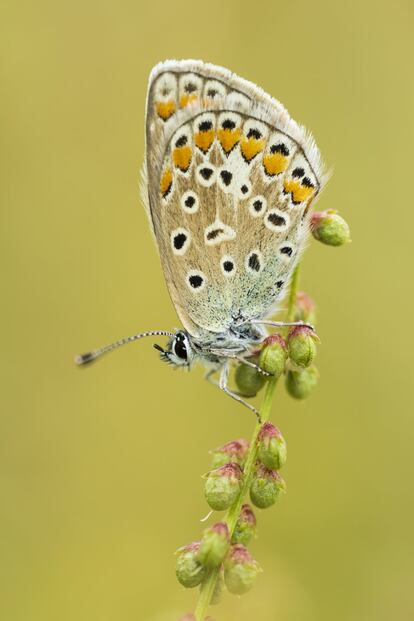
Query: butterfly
point(228, 182)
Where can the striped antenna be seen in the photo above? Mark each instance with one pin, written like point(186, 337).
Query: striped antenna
point(90, 356)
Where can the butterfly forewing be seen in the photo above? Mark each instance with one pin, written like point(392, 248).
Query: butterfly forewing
point(230, 180)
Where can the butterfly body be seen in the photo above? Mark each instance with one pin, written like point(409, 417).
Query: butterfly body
point(212, 349)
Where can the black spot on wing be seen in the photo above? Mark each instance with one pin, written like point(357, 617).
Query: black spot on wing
point(298, 172)
point(179, 240)
point(226, 177)
point(279, 148)
point(206, 173)
point(228, 124)
point(195, 281)
point(287, 250)
point(276, 220)
point(182, 140)
point(254, 262)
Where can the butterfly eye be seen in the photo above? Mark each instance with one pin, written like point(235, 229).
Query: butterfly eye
point(180, 348)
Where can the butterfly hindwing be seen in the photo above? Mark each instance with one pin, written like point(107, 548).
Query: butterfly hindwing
point(230, 181)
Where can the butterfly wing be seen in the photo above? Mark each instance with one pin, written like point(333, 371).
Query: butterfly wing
point(230, 179)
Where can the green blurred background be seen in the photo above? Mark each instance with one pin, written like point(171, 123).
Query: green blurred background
point(100, 469)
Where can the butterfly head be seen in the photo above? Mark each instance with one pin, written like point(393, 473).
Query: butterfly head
point(180, 351)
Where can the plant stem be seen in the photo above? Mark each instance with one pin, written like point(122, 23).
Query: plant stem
point(232, 515)
point(292, 294)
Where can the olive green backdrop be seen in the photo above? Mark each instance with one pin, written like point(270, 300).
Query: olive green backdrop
point(100, 468)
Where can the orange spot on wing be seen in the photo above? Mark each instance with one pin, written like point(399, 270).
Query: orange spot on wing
point(166, 182)
point(165, 109)
point(204, 140)
point(299, 192)
point(228, 138)
point(250, 147)
point(187, 99)
point(275, 163)
point(182, 157)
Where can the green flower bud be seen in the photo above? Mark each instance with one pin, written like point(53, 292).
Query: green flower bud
point(249, 381)
point(273, 355)
point(246, 526)
point(222, 486)
point(214, 545)
point(240, 570)
point(301, 345)
point(189, 571)
point(300, 384)
point(272, 450)
point(266, 487)
point(330, 228)
point(305, 308)
point(234, 451)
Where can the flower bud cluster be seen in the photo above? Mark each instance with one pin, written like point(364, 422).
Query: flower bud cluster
point(267, 484)
point(293, 357)
point(222, 550)
point(301, 375)
point(218, 548)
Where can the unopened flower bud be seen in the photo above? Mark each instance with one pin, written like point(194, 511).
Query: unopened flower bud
point(272, 450)
point(222, 486)
point(190, 572)
point(234, 451)
point(214, 545)
point(266, 487)
point(301, 345)
point(300, 384)
point(273, 355)
point(240, 570)
point(246, 526)
point(249, 381)
point(305, 308)
point(330, 228)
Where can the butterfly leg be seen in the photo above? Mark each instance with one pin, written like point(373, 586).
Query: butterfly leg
point(208, 376)
point(224, 387)
point(248, 363)
point(242, 360)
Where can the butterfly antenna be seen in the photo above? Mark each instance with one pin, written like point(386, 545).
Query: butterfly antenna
point(90, 356)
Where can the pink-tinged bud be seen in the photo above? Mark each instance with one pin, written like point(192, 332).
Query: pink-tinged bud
point(222, 486)
point(272, 450)
point(266, 487)
point(214, 545)
point(305, 308)
point(300, 384)
point(330, 228)
point(240, 570)
point(232, 452)
point(249, 380)
point(245, 527)
point(273, 355)
point(301, 346)
point(189, 571)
